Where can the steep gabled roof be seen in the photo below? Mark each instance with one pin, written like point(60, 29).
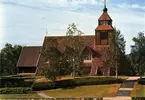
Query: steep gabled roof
point(58, 41)
point(105, 16)
point(91, 51)
point(29, 56)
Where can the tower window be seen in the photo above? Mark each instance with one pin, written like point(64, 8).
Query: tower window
point(103, 38)
point(104, 22)
point(103, 35)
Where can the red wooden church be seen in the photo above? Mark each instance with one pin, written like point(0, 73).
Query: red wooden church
point(30, 59)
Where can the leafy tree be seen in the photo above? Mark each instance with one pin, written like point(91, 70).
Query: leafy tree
point(57, 66)
point(9, 56)
point(138, 54)
point(113, 54)
point(76, 43)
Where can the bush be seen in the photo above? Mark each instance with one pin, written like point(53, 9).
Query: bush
point(14, 82)
point(43, 86)
point(138, 98)
point(96, 81)
point(74, 82)
point(86, 70)
point(15, 90)
point(141, 81)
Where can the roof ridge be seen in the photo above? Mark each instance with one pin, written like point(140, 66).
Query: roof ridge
point(66, 36)
point(32, 46)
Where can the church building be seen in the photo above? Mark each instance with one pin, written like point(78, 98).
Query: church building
point(31, 59)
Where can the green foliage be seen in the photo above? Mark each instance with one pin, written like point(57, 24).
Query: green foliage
point(76, 43)
point(15, 90)
point(93, 98)
point(137, 56)
point(43, 86)
point(74, 82)
point(57, 64)
point(65, 63)
point(138, 98)
point(115, 54)
point(86, 70)
point(141, 81)
point(14, 82)
point(9, 56)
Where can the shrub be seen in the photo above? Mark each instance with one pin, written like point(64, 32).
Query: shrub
point(141, 81)
point(138, 98)
point(86, 70)
point(14, 82)
point(43, 86)
point(75, 82)
point(15, 90)
point(65, 83)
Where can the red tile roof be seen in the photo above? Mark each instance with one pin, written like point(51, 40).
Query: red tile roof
point(105, 16)
point(29, 56)
point(104, 27)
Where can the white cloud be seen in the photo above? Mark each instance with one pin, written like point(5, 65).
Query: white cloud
point(55, 16)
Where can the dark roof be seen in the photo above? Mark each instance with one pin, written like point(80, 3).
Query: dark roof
point(29, 56)
point(91, 51)
point(105, 16)
point(104, 27)
point(58, 41)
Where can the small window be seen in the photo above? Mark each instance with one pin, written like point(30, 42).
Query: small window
point(104, 22)
point(103, 38)
point(103, 35)
point(89, 57)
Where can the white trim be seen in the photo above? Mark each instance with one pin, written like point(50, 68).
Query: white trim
point(87, 61)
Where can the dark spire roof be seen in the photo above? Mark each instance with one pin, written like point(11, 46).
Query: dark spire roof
point(105, 15)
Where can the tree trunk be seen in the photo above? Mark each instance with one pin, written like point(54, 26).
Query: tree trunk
point(116, 70)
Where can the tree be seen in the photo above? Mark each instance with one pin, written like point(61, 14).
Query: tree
point(9, 56)
point(113, 53)
point(138, 54)
point(76, 43)
point(57, 65)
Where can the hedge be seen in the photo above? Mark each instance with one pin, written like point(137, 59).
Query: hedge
point(14, 82)
point(15, 90)
point(74, 82)
point(138, 98)
point(141, 81)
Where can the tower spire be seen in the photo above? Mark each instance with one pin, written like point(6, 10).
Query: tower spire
point(104, 3)
point(105, 8)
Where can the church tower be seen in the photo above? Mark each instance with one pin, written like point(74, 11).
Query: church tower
point(104, 28)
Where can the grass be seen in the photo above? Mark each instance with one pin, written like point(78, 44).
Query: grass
point(85, 91)
point(22, 96)
point(138, 90)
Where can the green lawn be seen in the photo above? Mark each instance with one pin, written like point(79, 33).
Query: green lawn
point(80, 91)
point(138, 91)
point(85, 91)
point(14, 96)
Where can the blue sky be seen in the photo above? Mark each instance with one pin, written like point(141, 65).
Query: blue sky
point(25, 22)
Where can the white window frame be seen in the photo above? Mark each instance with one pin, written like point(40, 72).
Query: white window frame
point(88, 59)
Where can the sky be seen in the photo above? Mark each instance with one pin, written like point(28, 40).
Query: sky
point(25, 22)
